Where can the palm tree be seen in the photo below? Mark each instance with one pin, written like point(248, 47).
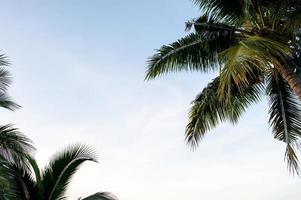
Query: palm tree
point(14, 146)
point(254, 46)
point(50, 183)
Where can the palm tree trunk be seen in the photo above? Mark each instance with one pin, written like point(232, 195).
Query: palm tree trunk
point(292, 79)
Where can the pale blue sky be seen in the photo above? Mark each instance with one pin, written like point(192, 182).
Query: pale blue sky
point(78, 69)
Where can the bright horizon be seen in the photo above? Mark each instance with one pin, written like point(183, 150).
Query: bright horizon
point(78, 69)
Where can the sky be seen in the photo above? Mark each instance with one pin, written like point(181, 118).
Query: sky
point(78, 69)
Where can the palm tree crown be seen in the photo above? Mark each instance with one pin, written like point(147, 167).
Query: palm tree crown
point(14, 146)
point(50, 183)
point(254, 45)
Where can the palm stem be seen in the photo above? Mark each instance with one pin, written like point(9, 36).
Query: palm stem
point(292, 79)
point(221, 27)
point(261, 16)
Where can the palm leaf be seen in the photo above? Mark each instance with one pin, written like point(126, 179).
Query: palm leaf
point(208, 109)
point(209, 27)
point(255, 53)
point(5, 79)
point(17, 183)
point(285, 115)
point(57, 175)
point(191, 53)
point(223, 9)
point(7, 189)
point(36, 174)
point(3, 60)
point(101, 196)
point(14, 146)
point(8, 103)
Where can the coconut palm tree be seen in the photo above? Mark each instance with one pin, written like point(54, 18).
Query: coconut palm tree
point(14, 146)
point(254, 46)
point(50, 183)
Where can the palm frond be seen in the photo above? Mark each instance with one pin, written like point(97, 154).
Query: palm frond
point(250, 55)
point(233, 11)
point(209, 27)
point(101, 196)
point(57, 175)
point(36, 175)
point(17, 183)
point(4, 60)
point(5, 78)
point(292, 159)
point(191, 53)
point(8, 103)
point(7, 189)
point(14, 146)
point(208, 109)
point(285, 115)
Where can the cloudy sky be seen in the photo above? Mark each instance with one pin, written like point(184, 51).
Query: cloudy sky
point(78, 69)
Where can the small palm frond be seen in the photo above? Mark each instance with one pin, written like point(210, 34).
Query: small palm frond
point(191, 53)
point(208, 109)
point(14, 146)
point(5, 79)
point(57, 175)
point(207, 26)
point(285, 115)
point(292, 159)
point(205, 18)
point(7, 102)
point(101, 196)
point(3, 60)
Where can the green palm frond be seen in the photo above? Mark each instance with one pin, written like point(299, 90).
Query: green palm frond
point(250, 55)
point(14, 146)
point(285, 115)
point(15, 183)
point(292, 159)
point(208, 109)
point(57, 175)
point(101, 196)
point(5, 79)
point(209, 27)
point(191, 53)
point(223, 9)
point(8, 103)
point(7, 189)
point(4, 60)
point(36, 174)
